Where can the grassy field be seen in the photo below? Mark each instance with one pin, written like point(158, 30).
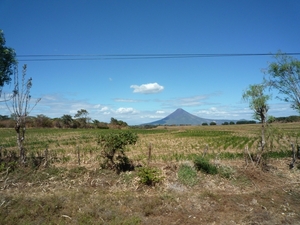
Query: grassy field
point(74, 190)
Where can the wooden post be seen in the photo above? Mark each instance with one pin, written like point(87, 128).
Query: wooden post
point(149, 152)
point(246, 156)
point(46, 157)
point(78, 154)
point(205, 150)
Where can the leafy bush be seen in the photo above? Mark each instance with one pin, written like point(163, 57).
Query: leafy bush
point(203, 164)
point(187, 175)
point(149, 175)
point(113, 150)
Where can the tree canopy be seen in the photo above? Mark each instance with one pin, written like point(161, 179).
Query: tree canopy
point(284, 75)
point(257, 101)
point(7, 62)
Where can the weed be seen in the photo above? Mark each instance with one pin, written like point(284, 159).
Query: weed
point(225, 171)
point(203, 164)
point(66, 158)
point(187, 175)
point(149, 175)
point(230, 155)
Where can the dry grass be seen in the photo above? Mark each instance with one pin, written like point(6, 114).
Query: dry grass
point(68, 193)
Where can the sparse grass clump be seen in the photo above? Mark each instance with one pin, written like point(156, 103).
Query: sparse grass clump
point(187, 175)
point(203, 164)
point(225, 171)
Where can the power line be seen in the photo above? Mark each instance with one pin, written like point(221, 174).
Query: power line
point(65, 57)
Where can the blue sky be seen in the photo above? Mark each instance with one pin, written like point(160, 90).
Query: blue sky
point(144, 90)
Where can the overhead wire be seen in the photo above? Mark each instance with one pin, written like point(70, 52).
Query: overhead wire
point(64, 57)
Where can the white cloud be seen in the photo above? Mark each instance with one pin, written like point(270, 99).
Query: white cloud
point(150, 88)
point(160, 112)
point(104, 109)
point(125, 111)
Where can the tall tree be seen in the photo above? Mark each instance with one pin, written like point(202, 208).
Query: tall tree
point(258, 103)
point(83, 116)
point(7, 62)
point(284, 75)
point(67, 120)
point(20, 108)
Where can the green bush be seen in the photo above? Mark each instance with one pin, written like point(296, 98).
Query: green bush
point(113, 146)
point(149, 175)
point(187, 175)
point(203, 164)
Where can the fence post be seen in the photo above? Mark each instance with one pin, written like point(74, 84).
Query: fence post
point(78, 155)
point(46, 157)
point(205, 150)
point(149, 152)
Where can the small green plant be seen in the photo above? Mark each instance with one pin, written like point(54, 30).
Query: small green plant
point(187, 175)
point(149, 175)
point(203, 164)
point(66, 159)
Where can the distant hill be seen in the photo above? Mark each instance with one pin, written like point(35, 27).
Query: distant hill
point(182, 117)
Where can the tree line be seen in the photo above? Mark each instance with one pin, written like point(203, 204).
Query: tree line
point(65, 121)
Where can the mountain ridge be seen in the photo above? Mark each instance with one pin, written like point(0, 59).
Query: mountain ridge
point(182, 117)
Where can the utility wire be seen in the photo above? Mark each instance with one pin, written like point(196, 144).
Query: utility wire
point(65, 57)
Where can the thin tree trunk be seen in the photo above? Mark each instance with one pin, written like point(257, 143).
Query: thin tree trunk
point(263, 141)
point(20, 139)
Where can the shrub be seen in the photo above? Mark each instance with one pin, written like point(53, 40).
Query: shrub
point(113, 150)
point(149, 175)
point(187, 175)
point(203, 164)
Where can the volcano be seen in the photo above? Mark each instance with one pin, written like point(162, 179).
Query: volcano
point(182, 117)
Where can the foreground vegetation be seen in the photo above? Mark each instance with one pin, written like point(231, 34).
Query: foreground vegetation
point(182, 175)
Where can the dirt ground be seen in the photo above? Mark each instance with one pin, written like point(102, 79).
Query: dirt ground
point(88, 195)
